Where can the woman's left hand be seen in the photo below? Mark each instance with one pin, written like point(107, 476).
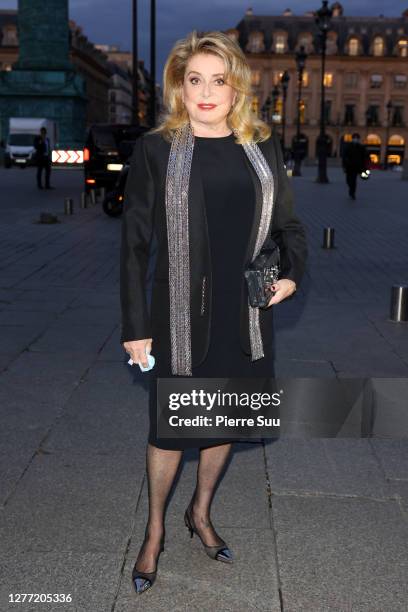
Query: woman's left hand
point(284, 288)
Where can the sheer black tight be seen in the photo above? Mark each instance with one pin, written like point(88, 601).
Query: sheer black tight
point(161, 468)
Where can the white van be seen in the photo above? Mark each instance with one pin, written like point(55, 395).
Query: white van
point(20, 142)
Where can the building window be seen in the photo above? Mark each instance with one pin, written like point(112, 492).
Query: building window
point(403, 47)
point(396, 140)
point(256, 42)
point(331, 44)
point(349, 114)
point(306, 40)
point(351, 79)
point(276, 77)
point(328, 79)
point(378, 46)
point(373, 139)
point(376, 80)
point(353, 46)
point(255, 77)
point(372, 114)
point(400, 80)
point(10, 37)
point(280, 43)
point(397, 116)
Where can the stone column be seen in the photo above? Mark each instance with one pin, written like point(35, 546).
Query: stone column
point(43, 35)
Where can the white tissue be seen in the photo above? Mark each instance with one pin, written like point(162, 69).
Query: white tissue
point(150, 360)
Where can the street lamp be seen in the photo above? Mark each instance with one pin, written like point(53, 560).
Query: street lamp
point(338, 143)
point(285, 78)
point(275, 95)
point(322, 20)
point(152, 63)
point(368, 117)
point(387, 129)
point(263, 112)
point(266, 109)
point(301, 57)
point(135, 63)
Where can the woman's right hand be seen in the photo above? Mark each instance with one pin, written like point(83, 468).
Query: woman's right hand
point(138, 350)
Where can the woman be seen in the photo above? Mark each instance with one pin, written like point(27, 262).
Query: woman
point(205, 182)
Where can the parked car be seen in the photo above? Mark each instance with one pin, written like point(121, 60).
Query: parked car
point(105, 153)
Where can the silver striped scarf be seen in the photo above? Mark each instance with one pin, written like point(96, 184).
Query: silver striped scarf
point(177, 188)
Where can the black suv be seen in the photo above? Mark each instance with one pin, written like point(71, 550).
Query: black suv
point(107, 147)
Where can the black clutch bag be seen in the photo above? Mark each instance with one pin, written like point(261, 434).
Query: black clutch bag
point(260, 274)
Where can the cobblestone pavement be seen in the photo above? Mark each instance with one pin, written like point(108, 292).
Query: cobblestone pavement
point(316, 525)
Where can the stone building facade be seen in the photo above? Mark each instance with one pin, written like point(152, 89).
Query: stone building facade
point(120, 93)
point(366, 77)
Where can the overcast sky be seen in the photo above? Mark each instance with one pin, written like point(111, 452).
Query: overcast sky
point(110, 22)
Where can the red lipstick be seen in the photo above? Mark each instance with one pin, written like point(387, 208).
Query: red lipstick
point(205, 106)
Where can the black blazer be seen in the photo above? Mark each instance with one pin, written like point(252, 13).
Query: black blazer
point(144, 212)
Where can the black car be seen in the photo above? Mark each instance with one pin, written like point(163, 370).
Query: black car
point(107, 148)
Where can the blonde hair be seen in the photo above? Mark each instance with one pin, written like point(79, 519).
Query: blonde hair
point(237, 74)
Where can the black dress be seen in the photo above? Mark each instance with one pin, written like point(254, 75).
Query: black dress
point(230, 202)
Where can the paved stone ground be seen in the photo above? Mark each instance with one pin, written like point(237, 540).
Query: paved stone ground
point(316, 525)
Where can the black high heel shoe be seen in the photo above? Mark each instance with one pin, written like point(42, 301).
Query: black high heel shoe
point(142, 581)
point(219, 552)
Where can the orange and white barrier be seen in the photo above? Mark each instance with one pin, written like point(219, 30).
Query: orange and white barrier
point(60, 156)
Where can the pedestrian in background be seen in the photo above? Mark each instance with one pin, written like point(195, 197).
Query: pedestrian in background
point(43, 158)
point(355, 160)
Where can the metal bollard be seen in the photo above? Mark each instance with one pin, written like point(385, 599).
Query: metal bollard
point(399, 303)
point(84, 200)
point(69, 206)
point(328, 238)
point(92, 193)
point(404, 173)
